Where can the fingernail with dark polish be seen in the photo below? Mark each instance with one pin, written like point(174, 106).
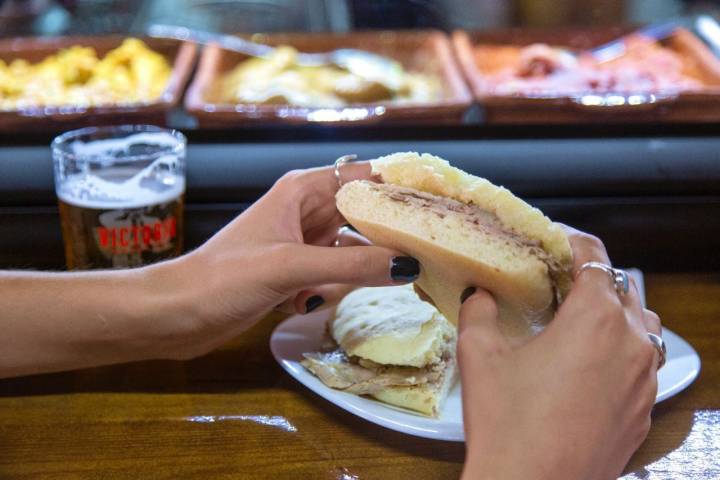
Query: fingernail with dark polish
point(313, 302)
point(466, 294)
point(404, 269)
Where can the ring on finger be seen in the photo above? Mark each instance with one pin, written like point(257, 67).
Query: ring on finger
point(339, 163)
point(341, 231)
point(619, 278)
point(659, 345)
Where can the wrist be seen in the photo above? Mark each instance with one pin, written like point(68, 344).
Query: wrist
point(168, 310)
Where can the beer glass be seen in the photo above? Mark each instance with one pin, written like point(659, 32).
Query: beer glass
point(121, 192)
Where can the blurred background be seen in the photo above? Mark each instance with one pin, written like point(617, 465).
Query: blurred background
point(54, 17)
point(647, 183)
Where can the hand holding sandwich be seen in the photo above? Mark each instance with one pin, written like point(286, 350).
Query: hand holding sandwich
point(278, 252)
point(558, 373)
point(573, 402)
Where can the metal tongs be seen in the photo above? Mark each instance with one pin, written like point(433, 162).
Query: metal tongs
point(359, 62)
point(618, 47)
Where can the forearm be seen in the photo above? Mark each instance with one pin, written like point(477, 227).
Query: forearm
point(60, 321)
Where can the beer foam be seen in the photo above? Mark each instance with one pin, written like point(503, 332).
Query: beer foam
point(147, 187)
point(157, 183)
point(122, 147)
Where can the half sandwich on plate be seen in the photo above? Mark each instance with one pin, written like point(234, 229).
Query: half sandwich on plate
point(390, 345)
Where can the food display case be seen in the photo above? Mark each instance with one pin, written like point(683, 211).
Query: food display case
point(595, 97)
point(639, 169)
point(629, 170)
point(426, 52)
point(31, 117)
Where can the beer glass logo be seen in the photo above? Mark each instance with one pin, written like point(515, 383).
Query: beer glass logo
point(124, 232)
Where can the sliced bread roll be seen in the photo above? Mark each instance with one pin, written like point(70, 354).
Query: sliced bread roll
point(465, 231)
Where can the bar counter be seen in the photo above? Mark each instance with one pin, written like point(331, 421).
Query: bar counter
point(236, 414)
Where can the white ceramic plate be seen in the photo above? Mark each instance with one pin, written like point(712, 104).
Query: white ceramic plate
point(304, 333)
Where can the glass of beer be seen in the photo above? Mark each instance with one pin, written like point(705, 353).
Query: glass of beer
point(121, 192)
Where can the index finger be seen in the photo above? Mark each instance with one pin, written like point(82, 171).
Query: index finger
point(325, 182)
point(593, 283)
point(585, 248)
point(313, 190)
point(353, 170)
point(588, 248)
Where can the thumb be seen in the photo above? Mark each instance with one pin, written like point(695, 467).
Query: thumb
point(478, 323)
point(307, 266)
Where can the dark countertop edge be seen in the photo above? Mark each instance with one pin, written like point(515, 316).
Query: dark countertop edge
point(531, 168)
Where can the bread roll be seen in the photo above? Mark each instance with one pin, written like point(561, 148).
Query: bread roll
point(465, 232)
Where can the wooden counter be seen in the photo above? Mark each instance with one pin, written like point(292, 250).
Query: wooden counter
point(236, 414)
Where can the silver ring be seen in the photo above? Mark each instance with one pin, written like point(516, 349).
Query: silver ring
point(339, 163)
point(341, 231)
point(620, 278)
point(659, 345)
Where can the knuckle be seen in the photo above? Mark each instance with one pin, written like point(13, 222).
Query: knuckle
point(643, 358)
point(653, 320)
point(610, 311)
point(361, 262)
point(483, 300)
point(468, 339)
point(646, 394)
point(653, 390)
point(292, 175)
point(647, 353)
point(592, 241)
point(589, 243)
point(650, 399)
point(610, 322)
point(493, 348)
point(473, 340)
point(360, 258)
point(284, 253)
point(643, 429)
point(290, 181)
point(586, 239)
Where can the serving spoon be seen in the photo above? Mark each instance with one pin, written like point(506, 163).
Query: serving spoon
point(359, 62)
point(618, 47)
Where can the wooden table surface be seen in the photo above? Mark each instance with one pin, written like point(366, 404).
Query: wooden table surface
point(236, 414)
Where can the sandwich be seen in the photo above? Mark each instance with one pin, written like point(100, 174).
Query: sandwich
point(389, 344)
point(465, 232)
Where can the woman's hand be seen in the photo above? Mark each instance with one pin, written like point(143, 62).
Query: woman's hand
point(279, 253)
point(573, 402)
point(276, 253)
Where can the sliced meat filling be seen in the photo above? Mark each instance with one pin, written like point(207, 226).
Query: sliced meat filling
point(363, 377)
point(440, 206)
point(476, 216)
